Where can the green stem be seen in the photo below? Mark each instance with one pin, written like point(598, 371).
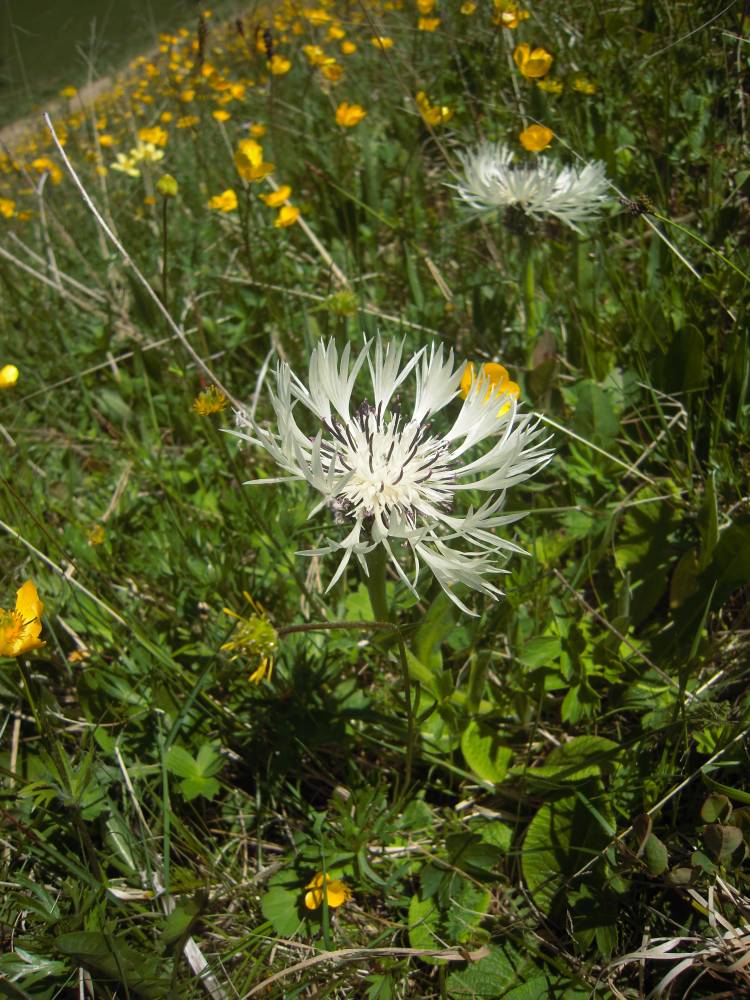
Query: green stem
point(376, 585)
point(529, 289)
point(164, 249)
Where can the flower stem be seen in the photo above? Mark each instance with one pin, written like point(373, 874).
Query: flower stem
point(164, 251)
point(376, 585)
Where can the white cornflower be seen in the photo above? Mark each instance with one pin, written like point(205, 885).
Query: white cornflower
point(395, 479)
point(491, 181)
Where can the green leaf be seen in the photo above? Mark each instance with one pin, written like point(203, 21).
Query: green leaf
point(579, 758)
point(281, 907)
point(595, 418)
point(423, 922)
point(109, 955)
point(726, 843)
point(541, 651)
point(716, 807)
point(655, 855)
point(484, 752)
point(492, 976)
point(180, 762)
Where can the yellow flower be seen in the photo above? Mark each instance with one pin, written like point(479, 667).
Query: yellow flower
point(68, 92)
point(432, 114)
point(220, 115)
point(316, 16)
point(167, 186)
point(533, 63)
point(210, 400)
point(335, 32)
point(425, 7)
point(96, 535)
point(7, 208)
point(248, 159)
point(467, 8)
point(497, 381)
point(347, 48)
point(336, 892)
point(349, 115)
point(126, 165)
point(278, 65)
point(314, 54)
point(187, 121)
point(428, 23)
point(583, 86)
point(43, 165)
point(187, 95)
point(276, 198)
point(166, 117)
point(382, 41)
point(507, 14)
point(146, 151)
point(106, 140)
point(254, 638)
point(550, 86)
point(258, 130)
point(535, 138)
point(8, 376)
point(224, 202)
point(287, 216)
point(156, 136)
point(19, 629)
point(332, 71)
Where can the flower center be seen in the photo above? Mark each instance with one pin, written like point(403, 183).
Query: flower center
point(12, 626)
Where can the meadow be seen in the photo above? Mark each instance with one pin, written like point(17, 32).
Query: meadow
point(456, 704)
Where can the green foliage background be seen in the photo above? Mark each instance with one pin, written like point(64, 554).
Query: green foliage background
point(579, 772)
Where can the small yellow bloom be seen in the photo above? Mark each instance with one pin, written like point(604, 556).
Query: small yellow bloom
point(8, 376)
point(156, 136)
point(535, 138)
point(550, 86)
point(210, 400)
point(425, 7)
point(583, 85)
point(347, 48)
point(287, 216)
point(126, 165)
point(382, 42)
point(314, 54)
point(507, 14)
point(20, 629)
point(432, 114)
point(187, 95)
point(68, 92)
point(316, 16)
point(220, 115)
point(254, 638)
point(336, 892)
point(96, 535)
point(335, 32)
point(258, 130)
point(276, 198)
point(166, 117)
point(495, 377)
point(43, 165)
point(224, 202)
point(7, 208)
point(467, 8)
point(167, 186)
point(428, 23)
point(149, 200)
point(332, 71)
point(187, 121)
point(349, 115)
point(278, 65)
point(106, 140)
point(533, 63)
point(248, 159)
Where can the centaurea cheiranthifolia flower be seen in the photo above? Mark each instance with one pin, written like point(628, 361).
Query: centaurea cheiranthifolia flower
point(398, 479)
point(492, 180)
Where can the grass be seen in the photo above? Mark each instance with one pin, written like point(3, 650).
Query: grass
point(548, 798)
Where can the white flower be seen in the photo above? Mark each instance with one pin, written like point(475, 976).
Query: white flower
point(397, 480)
point(491, 181)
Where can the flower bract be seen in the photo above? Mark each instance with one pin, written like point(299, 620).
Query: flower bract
point(400, 479)
point(491, 181)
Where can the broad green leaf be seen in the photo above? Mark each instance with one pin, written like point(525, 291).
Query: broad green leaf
point(282, 908)
point(579, 758)
point(484, 752)
point(655, 855)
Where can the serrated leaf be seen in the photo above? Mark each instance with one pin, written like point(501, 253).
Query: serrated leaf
point(281, 907)
point(181, 763)
point(423, 922)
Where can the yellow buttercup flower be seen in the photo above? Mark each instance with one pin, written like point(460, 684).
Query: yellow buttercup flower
point(535, 138)
point(314, 54)
point(550, 86)
point(224, 202)
point(349, 115)
point(8, 376)
point(533, 63)
point(278, 65)
point(467, 8)
point(347, 48)
point(496, 379)
point(7, 208)
point(220, 115)
point(276, 198)
point(425, 7)
point(428, 23)
point(583, 85)
point(508, 14)
point(187, 121)
point(287, 216)
point(257, 130)
point(68, 92)
point(248, 159)
point(43, 165)
point(432, 114)
point(254, 638)
point(20, 629)
point(96, 536)
point(156, 136)
point(336, 892)
point(382, 42)
point(332, 71)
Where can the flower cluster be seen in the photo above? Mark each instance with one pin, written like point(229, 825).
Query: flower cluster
point(397, 480)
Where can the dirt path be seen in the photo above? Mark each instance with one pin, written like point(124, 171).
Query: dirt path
point(11, 134)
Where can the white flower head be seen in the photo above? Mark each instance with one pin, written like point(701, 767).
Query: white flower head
point(492, 180)
point(394, 478)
